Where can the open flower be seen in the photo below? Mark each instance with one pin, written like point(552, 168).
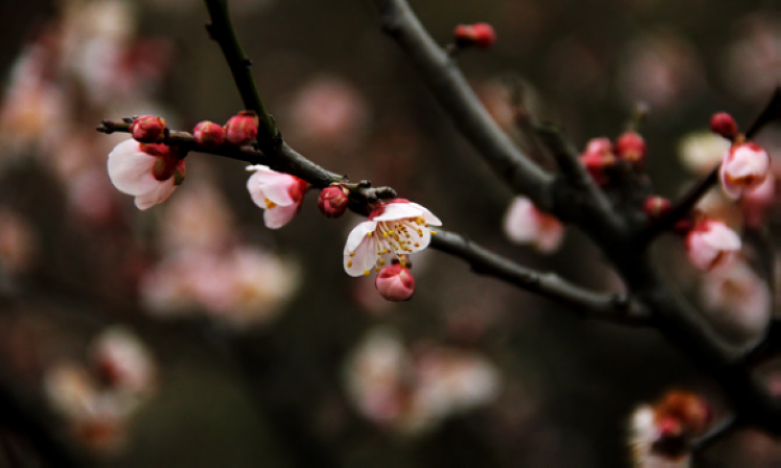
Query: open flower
point(277, 193)
point(711, 243)
point(150, 172)
point(525, 224)
point(395, 228)
point(745, 166)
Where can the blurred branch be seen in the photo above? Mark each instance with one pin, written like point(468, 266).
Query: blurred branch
point(450, 87)
point(594, 305)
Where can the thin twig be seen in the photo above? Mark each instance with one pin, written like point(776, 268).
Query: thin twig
point(594, 305)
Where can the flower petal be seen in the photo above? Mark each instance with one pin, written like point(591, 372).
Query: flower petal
point(358, 234)
point(130, 169)
point(363, 260)
point(274, 185)
point(279, 216)
point(428, 216)
point(156, 196)
point(397, 211)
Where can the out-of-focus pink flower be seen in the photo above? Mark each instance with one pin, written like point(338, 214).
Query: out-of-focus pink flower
point(209, 134)
point(711, 243)
point(525, 224)
point(333, 201)
point(481, 35)
point(242, 128)
point(89, 195)
point(199, 218)
point(395, 228)
point(631, 147)
point(745, 166)
point(756, 201)
point(655, 206)
point(149, 172)
point(700, 152)
point(738, 298)
point(751, 66)
point(279, 194)
point(597, 158)
point(123, 362)
point(724, 124)
point(18, 242)
point(331, 112)
point(395, 283)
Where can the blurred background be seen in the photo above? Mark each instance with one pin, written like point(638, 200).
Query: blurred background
point(191, 335)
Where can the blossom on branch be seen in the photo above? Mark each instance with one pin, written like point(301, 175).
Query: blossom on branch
point(745, 166)
point(395, 283)
point(711, 243)
point(396, 228)
point(524, 223)
point(150, 172)
point(279, 194)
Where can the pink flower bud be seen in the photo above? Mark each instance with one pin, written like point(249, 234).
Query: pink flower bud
point(209, 134)
point(395, 283)
point(148, 129)
point(597, 158)
point(242, 128)
point(524, 223)
point(631, 147)
point(711, 243)
point(655, 206)
point(745, 166)
point(333, 201)
point(150, 172)
point(724, 125)
point(279, 194)
point(480, 35)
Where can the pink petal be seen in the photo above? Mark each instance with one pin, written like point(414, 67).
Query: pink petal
point(274, 185)
point(428, 216)
point(279, 216)
point(130, 169)
point(397, 211)
point(364, 259)
point(358, 234)
point(157, 195)
point(521, 223)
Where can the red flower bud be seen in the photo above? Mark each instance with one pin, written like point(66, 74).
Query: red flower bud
point(333, 201)
point(631, 147)
point(682, 414)
point(242, 128)
point(724, 125)
point(655, 206)
point(480, 35)
point(597, 158)
point(148, 129)
point(209, 134)
point(395, 283)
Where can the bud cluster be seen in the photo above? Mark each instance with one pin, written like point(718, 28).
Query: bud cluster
point(602, 156)
point(480, 35)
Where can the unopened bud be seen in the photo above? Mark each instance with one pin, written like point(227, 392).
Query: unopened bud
point(242, 128)
point(724, 125)
point(333, 201)
point(148, 129)
point(655, 206)
point(395, 283)
point(209, 134)
point(597, 158)
point(480, 35)
point(631, 147)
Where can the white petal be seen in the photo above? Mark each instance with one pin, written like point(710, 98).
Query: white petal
point(419, 235)
point(364, 259)
point(278, 216)
point(731, 190)
point(255, 191)
point(428, 216)
point(358, 234)
point(275, 186)
point(521, 223)
point(397, 211)
point(550, 238)
point(130, 169)
point(158, 195)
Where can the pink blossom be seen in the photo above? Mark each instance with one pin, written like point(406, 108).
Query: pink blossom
point(525, 224)
point(124, 362)
point(395, 283)
point(711, 243)
point(279, 194)
point(149, 172)
point(758, 200)
point(744, 166)
point(395, 228)
point(333, 201)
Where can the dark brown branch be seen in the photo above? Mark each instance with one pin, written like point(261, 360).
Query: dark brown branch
point(221, 31)
point(450, 87)
point(612, 307)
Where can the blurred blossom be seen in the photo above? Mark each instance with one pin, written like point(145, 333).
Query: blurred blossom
point(244, 287)
point(524, 223)
point(413, 393)
point(702, 151)
point(715, 204)
point(752, 64)
point(123, 362)
point(663, 70)
point(644, 433)
point(737, 298)
point(199, 218)
point(90, 195)
point(330, 112)
point(18, 243)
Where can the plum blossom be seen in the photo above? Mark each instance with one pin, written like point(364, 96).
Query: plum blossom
point(756, 201)
point(396, 228)
point(711, 243)
point(744, 166)
point(279, 194)
point(395, 283)
point(702, 151)
point(524, 223)
point(150, 172)
point(124, 362)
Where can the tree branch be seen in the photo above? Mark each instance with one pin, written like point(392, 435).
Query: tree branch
point(593, 305)
point(450, 87)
